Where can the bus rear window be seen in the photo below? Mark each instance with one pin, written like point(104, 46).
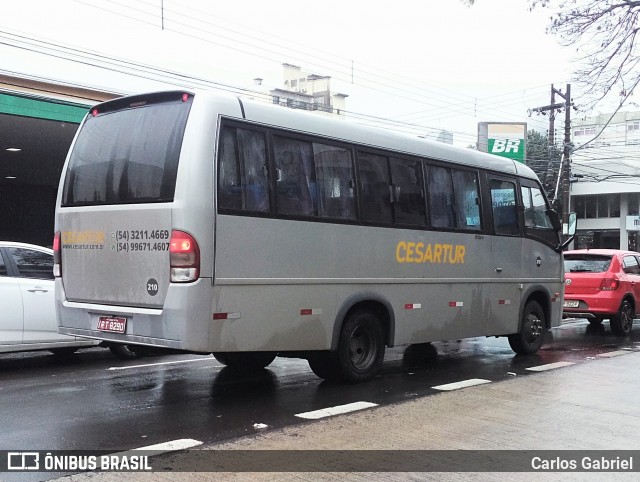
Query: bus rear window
point(127, 154)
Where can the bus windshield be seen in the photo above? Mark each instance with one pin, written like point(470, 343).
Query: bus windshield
point(127, 155)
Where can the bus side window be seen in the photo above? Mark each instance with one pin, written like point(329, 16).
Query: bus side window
point(376, 195)
point(441, 200)
point(335, 177)
point(409, 204)
point(242, 173)
point(295, 180)
point(529, 221)
point(467, 199)
point(535, 209)
point(229, 193)
point(503, 204)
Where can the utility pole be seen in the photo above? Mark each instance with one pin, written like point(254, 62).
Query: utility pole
point(562, 185)
point(566, 153)
point(552, 120)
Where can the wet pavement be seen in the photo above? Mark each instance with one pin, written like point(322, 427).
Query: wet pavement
point(592, 405)
point(92, 401)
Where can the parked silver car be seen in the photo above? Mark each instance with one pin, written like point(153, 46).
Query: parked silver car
point(28, 319)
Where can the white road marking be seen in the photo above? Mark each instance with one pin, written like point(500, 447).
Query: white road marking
point(550, 366)
point(328, 412)
point(463, 384)
point(614, 353)
point(163, 448)
point(159, 364)
point(172, 445)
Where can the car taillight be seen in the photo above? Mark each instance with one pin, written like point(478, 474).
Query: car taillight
point(609, 284)
point(57, 268)
point(184, 257)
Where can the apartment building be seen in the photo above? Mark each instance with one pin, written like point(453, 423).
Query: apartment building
point(304, 90)
point(605, 180)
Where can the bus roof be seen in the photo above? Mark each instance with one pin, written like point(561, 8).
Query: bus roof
point(349, 131)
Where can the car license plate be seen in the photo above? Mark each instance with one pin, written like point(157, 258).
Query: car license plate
point(113, 324)
point(570, 303)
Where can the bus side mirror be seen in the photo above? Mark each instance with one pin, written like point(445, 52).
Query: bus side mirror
point(570, 229)
point(571, 224)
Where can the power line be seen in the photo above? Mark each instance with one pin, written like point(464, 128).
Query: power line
point(410, 94)
point(149, 72)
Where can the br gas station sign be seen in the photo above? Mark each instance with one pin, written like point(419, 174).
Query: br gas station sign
point(506, 139)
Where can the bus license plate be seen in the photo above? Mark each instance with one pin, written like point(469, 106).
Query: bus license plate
point(113, 324)
point(570, 303)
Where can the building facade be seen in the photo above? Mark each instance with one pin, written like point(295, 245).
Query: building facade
point(605, 182)
point(38, 120)
point(303, 90)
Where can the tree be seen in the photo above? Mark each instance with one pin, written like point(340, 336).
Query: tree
point(544, 160)
point(604, 34)
point(537, 146)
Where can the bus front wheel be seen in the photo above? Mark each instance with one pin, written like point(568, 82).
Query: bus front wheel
point(532, 329)
point(245, 360)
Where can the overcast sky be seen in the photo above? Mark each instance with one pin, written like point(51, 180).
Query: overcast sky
point(432, 64)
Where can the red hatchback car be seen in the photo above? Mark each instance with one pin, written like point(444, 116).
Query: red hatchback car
point(602, 284)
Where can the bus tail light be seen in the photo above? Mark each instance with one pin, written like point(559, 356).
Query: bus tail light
point(184, 257)
point(609, 284)
point(57, 267)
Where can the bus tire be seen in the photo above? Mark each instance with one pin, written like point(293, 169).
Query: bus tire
point(249, 360)
point(530, 337)
point(324, 365)
point(123, 352)
point(361, 347)
point(622, 321)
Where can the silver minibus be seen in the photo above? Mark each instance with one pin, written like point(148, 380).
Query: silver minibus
point(213, 224)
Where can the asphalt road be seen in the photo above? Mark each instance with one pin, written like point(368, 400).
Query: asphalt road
point(92, 401)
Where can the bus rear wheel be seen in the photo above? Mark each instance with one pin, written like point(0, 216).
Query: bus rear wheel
point(250, 360)
point(360, 350)
point(530, 337)
point(324, 365)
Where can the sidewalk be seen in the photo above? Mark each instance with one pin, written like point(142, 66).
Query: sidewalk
point(594, 405)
